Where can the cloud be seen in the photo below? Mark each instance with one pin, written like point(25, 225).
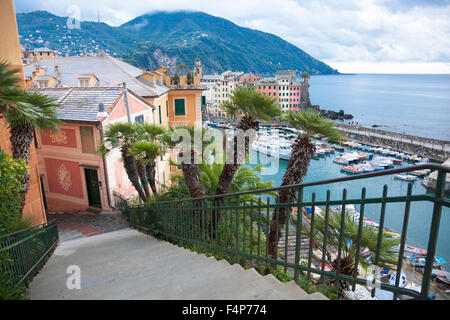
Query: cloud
point(339, 32)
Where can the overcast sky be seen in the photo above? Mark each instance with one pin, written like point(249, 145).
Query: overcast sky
point(353, 36)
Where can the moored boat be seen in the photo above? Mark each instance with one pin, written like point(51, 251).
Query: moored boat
point(405, 177)
point(421, 261)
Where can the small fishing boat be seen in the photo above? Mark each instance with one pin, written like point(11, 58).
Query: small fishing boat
point(421, 261)
point(352, 169)
point(391, 234)
point(365, 167)
point(402, 282)
point(405, 177)
point(341, 160)
point(327, 267)
point(420, 173)
point(369, 222)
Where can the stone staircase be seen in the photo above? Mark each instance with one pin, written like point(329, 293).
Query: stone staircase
point(127, 264)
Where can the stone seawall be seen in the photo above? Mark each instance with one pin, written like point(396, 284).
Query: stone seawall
point(438, 150)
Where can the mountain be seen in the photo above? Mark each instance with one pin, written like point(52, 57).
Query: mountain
point(170, 39)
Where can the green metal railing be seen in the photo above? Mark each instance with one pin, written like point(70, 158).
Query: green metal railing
point(222, 225)
point(26, 250)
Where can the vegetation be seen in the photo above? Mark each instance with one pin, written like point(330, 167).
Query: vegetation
point(12, 172)
point(147, 148)
point(124, 135)
point(23, 111)
point(249, 106)
point(388, 258)
point(309, 123)
point(175, 37)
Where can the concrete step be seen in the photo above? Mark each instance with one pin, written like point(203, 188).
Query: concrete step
point(127, 264)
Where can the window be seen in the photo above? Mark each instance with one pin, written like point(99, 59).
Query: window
point(84, 82)
point(139, 118)
point(87, 140)
point(167, 109)
point(180, 109)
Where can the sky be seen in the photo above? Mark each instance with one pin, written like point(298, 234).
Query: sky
point(353, 36)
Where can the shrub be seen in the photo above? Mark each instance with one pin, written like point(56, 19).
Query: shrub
point(11, 173)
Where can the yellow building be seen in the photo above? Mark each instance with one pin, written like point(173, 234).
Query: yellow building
point(10, 52)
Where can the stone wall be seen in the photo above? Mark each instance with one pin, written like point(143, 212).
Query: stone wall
point(438, 150)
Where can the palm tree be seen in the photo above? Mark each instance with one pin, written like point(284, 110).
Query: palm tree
point(148, 148)
point(189, 164)
point(388, 257)
point(24, 111)
point(305, 75)
point(308, 123)
point(125, 135)
point(249, 106)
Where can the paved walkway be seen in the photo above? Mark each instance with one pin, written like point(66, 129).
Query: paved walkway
point(73, 226)
point(127, 264)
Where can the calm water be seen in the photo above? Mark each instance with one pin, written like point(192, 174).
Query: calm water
point(420, 213)
point(413, 104)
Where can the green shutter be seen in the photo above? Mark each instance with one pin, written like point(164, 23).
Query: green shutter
point(180, 109)
point(160, 119)
point(167, 109)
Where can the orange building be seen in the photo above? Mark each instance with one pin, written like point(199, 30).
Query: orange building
point(10, 52)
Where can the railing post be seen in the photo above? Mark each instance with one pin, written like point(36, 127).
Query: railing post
point(298, 230)
point(432, 242)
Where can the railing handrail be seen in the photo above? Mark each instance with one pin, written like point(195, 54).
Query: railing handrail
point(27, 229)
point(430, 166)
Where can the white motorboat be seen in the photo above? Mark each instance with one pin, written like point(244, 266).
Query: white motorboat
point(276, 148)
point(405, 177)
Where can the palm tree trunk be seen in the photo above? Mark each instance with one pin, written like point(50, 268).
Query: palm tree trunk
point(151, 172)
point(191, 175)
point(141, 171)
point(229, 169)
point(129, 162)
point(21, 138)
point(302, 152)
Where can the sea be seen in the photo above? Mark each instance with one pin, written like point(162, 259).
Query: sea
point(323, 168)
point(412, 104)
point(405, 103)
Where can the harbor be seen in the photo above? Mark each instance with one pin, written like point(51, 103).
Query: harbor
point(332, 160)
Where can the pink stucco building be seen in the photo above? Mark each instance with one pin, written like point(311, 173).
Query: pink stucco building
point(74, 175)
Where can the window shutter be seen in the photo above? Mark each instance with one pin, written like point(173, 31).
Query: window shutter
point(87, 140)
point(180, 109)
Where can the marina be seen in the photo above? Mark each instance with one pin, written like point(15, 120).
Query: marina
point(363, 158)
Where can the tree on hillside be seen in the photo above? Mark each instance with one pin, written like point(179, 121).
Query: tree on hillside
point(305, 75)
point(308, 123)
point(24, 111)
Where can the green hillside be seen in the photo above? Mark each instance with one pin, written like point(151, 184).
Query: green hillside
point(170, 39)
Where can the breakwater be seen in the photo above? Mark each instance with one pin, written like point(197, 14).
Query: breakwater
point(434, 149)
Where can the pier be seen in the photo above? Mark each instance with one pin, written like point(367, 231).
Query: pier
point(434, 149)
